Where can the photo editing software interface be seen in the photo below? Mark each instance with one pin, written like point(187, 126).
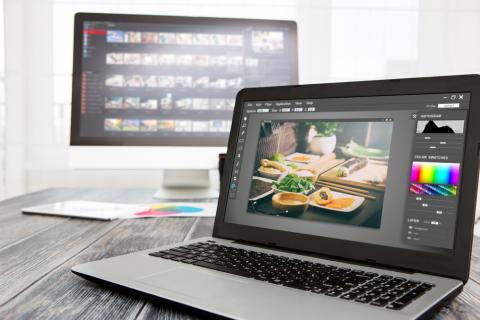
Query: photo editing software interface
point(172, 80)
point(381, 170)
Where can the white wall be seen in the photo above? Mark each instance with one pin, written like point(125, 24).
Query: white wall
point(339, 40)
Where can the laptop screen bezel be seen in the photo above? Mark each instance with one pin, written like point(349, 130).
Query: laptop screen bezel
point(455, 265)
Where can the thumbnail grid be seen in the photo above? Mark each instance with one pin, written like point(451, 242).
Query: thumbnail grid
point(164, 126)
point(197, 60)
point(167, 81)
point(166, 102)
point(263, 41)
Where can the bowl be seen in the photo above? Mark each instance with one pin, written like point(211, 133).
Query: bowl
point(290, 203)
point(307, 173)
point(269, 175)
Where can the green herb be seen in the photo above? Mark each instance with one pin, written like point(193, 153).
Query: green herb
point(293, 183)
point(326, 129)
point(293, 166)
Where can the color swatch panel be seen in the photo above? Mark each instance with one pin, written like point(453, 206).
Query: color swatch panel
point(435, 173)
point(433, 189)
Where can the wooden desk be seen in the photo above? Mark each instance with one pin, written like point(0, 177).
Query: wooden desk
point(37, 252)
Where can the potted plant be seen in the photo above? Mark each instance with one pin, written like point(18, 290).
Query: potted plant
point(325, 140)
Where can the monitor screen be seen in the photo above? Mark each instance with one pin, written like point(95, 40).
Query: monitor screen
point(382, 170)
point(145, 80)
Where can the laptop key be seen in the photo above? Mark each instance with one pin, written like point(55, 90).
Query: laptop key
point(159, 254)
point(379, 302)
point(363, 299)
point(348, 296)
point(179, 259)
point(396, 305)
point(222, 269)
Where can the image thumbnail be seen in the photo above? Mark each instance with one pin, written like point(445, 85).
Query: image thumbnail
point(218, 61)
point(200, 60)
point(183, 81)
point(218, 39)
point(166, 38)
point(202, 39)
point(200, 126)
point(218, 126)
point(234, 40)
point(149, 59)
point(185, 103)
point(149, 104)
point(235, 61)
point(166, 82)
point(133, 37)
point(131, 103)
point(267, 41)
point(115, 36)
point(183, 126)
point(200, 103)
point(131, 125)
point(113, 124)
point(166, 59)
point(235, 83)
point(149, 125)
point(166, 102)
point(132, 58)
point(183, 38)
point(166, 125)
point(201, 82)
point(218, 83)
point(149, 37)
point(113, 102)
point(322, 170)
point(251, 62)
point(114, 58)
point(134, 81)
point(115, 80)
point(221, 104)
point(150, 81)
point(184, 60)
point(440, 126)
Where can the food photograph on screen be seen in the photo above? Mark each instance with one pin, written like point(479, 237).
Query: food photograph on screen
point(332, 171)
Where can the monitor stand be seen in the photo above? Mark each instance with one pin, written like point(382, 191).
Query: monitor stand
point(189, 185)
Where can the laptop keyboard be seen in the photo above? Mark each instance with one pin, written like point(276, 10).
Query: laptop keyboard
point(345, 283)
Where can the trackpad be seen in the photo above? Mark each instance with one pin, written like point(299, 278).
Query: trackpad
point(195, 283)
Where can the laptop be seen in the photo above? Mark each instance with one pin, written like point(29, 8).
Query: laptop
point(337, 200)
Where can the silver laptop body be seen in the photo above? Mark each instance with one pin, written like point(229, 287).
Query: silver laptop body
point(436, 252)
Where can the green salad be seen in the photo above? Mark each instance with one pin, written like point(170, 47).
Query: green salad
point(293, 183)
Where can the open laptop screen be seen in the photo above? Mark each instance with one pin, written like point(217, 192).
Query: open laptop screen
point(382, 170)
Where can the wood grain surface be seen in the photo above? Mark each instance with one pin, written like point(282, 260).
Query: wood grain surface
point(37, 252)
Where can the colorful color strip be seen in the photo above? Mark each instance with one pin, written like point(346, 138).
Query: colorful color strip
point(433, 189)
point(168, 210)
point(435, 173)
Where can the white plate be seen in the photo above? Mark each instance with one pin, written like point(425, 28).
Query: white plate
point(357, 202)
point(296, 154)
point(263, 195)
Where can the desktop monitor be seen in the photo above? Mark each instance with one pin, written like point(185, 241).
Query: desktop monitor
point(158, 92)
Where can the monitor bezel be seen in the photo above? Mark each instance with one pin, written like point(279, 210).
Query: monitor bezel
point(77, 140)
point(455, 265)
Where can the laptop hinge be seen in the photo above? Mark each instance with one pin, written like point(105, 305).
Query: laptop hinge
point(367, 263)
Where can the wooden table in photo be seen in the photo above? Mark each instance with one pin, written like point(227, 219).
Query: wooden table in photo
point(37, 252)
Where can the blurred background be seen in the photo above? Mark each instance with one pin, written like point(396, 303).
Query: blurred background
point(339, 40)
